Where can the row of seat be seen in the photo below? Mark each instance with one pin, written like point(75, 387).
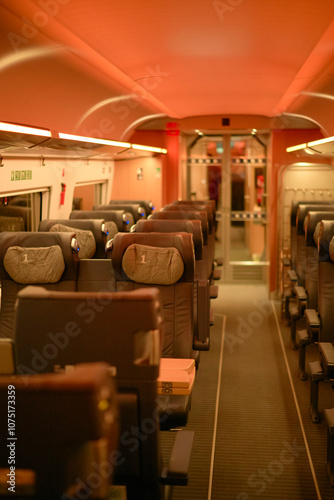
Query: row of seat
point(311, 298)
point(101, 305)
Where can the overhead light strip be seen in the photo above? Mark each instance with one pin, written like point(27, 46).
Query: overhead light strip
point(320, 141)
point(311, 144)
point(22, 129)
point(149, 148)
point(94, 140)
point(296, 148)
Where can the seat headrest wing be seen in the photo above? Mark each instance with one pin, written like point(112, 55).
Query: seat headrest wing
point(316, 232)
point(30, 265)
point(152, 265)
point(331, 249)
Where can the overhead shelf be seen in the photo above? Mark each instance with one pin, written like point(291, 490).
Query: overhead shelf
point(17, 140)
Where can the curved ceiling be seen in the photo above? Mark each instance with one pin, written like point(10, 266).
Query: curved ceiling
point(101, 68)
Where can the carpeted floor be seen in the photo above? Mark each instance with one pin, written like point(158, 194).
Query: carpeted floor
point(250, 431)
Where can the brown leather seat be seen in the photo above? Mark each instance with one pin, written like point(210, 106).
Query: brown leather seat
point(185, 302)
point(123, 329)
point(52, 444)
point(90, 229)
point(38, 272)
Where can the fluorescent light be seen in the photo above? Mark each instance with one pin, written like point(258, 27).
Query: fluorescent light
point(94, 140)
point(149, 148)
point(296, 148)
point(21, 129)
point(320, 141)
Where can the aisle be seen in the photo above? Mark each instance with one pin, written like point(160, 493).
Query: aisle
point(249, 442)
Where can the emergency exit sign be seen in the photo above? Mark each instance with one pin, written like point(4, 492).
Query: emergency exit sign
point(21, 175)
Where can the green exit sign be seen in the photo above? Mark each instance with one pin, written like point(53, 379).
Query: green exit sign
point(21, 175)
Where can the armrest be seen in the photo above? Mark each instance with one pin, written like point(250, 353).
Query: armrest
point(7, 357)
point(301, 293)
point(312, 324)
point(312, 318)
point(213, 291)
point(301, 298)
point(178, 469)
point(216, 274)
point(201, 340)
point(292, 275)
point(219, 261)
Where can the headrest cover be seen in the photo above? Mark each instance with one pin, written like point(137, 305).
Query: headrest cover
point(316, 233)
point(84, 237)
point(331, 249)
point(152, 265)
point(30, 265)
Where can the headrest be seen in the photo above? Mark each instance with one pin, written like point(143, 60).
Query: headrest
point(174, 226)
point(182, 242)
point(29, 265)
point(190, 208)
point(11, 223)
point(201, 216)
point(304, 209)
point(152, 265)
point(85, 238)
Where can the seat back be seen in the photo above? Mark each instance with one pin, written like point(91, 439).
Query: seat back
point(24, 213)
point(293, 229)
point(115, 220)
point(52, 447)
point(174, 226)
point(135, 209)
point(147, 204)
point(122, 329)
point(312, 227)
point(302, 211)
point(326, 280)
point(165, 261)
point(178, 226)
point(190, 215)
point(90, 234)
point(34, 258)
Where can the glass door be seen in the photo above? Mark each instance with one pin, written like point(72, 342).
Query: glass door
point(232, 170)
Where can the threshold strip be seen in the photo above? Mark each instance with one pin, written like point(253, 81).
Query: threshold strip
point(217, 405)
point(296, 403)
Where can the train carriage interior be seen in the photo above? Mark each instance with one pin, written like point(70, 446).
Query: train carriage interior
point(167, 250)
